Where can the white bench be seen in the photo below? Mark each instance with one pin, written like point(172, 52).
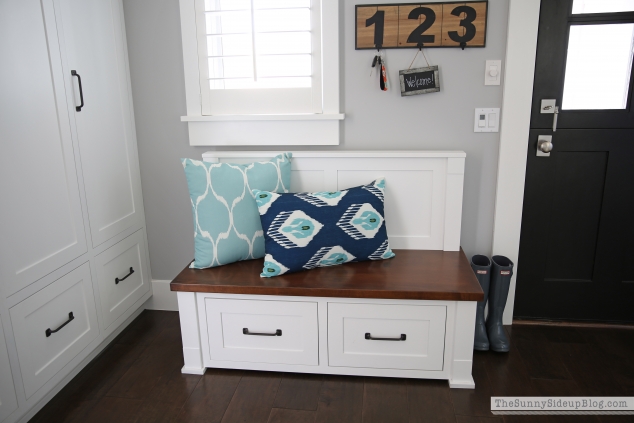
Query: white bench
point(420, 304)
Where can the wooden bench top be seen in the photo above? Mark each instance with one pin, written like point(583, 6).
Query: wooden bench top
point(411, 275)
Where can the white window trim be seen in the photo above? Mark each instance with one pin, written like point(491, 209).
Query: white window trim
point(287, 129)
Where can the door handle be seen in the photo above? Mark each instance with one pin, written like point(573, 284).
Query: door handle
point(550, 107)
point(403, 337)
point(50, 331)
point(81, 90)
point(117, 280)
point(544, 145)
point(278, 332)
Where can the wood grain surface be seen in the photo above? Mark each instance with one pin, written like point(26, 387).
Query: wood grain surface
point(398, 26)
point(412, 274)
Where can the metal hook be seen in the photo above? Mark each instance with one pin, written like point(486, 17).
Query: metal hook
point(463, 45)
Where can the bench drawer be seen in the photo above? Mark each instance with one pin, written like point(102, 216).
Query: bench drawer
point(122, 277)
point(44, 353)
point(409, 336)
point(283, 332)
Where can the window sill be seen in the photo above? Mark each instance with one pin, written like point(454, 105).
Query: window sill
point(260, 130)
point(291, 117)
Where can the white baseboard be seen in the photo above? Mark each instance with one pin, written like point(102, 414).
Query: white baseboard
point(162, 298)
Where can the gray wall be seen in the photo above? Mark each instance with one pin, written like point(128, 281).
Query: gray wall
point(374, 120)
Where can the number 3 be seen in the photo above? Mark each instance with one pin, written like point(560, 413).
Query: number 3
point(466, 23)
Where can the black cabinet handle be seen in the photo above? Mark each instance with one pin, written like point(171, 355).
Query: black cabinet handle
point(403, 337)
point(50, 331)
point(117, 280)
point(277, 333)
point(81, 90)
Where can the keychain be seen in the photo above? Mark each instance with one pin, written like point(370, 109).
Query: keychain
point(378, 60)
point(382, 75)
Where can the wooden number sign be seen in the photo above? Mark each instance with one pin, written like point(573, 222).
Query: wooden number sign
point(410, 25)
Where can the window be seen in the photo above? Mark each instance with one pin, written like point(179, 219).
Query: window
point(261, 72)
point(601, 6)
point(259, 56)
point(605, 50)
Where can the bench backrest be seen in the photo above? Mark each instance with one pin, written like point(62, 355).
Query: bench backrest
point(423, 206)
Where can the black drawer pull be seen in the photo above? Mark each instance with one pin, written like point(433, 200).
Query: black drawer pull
point(117, 280)
point(49, 332)
point(403, 337)
point(81, 90)
point(277, 333)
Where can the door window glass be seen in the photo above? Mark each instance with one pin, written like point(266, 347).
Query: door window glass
point(602, 6)
point(598, 66)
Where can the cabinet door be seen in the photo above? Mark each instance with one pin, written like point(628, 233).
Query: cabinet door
point(93, 41)
point(8, 402)
point(41, 226)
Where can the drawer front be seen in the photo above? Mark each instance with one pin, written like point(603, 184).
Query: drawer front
point(46, 335)
point(410, 336)
point(8, 401)
point(289, 331)
point(122, 276)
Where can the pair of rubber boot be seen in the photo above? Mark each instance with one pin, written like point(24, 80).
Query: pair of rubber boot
point(495, 278)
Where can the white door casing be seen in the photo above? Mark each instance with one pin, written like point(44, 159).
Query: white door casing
point(519, 73)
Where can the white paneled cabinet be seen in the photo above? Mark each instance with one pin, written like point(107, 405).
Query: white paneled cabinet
point(72, 214)
point(8, 401)
point(93, 42)
point(41, 225)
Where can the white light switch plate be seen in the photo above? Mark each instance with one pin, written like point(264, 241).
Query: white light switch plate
point(487, 120)
point(493, 72)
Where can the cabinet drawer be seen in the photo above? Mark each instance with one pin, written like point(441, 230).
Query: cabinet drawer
point(262, 331)
point(8, 401)
point(122, 276)
point(43, 353)
point(410, 336)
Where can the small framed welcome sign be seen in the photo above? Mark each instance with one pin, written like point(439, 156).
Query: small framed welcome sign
point(419, 81)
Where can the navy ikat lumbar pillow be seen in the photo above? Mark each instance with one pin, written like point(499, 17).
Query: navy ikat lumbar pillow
point(307, 230)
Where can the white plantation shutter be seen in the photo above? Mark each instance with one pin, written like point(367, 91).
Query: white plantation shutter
point(259, 56)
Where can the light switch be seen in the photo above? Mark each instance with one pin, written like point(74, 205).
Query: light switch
point(487, 120)
point(492, 72)
point(492, 120)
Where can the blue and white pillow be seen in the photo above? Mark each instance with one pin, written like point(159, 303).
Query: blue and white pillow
point(307, 230)
point(226, 222)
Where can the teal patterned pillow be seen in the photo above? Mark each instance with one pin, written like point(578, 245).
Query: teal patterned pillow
point(227, 224)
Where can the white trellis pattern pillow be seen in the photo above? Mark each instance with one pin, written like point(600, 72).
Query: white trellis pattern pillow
point(227, 224)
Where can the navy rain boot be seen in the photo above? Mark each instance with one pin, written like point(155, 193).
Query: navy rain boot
point(481, 266)
point(501, 273)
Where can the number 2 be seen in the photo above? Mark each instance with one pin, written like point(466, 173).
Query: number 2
point(466, 23)
point(416, 36)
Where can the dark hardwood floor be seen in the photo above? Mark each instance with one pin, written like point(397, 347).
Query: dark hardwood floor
point(137, 379)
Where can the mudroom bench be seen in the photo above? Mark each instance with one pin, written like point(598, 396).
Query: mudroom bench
point(410, 316)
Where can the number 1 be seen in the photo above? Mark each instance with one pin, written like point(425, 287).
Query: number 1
point(378, 20)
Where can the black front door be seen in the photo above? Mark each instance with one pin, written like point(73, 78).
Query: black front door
point(576, 259)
